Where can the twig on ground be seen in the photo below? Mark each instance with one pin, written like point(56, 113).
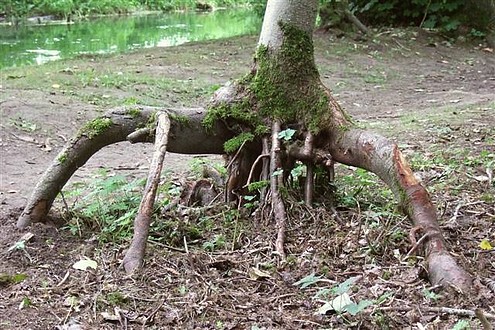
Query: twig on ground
point(439, 310)
point(416, 244)
point(150, 317)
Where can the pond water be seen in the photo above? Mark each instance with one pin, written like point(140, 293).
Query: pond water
point(38, 44)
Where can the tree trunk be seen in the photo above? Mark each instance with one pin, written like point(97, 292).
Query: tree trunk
point(249, 118)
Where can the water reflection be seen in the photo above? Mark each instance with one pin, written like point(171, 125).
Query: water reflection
point(44, 55)
point(38, 44)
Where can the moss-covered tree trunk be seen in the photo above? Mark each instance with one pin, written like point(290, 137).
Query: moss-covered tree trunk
point(282, 96)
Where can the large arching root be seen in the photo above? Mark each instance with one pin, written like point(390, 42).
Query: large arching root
point(133, 124)
point(374, 153)
point(344, 143)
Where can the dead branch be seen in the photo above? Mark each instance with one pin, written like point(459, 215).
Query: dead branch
point(354, 20)
point(135, 255)
point(309, 184)
point(440, 310)
point(265, 168)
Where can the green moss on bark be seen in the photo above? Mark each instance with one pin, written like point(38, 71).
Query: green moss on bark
point(133, 112)
point(239, 113)
point(181, 120)
point(62, 158)
point(285, 85)
point(230, 146)
point(95, 127)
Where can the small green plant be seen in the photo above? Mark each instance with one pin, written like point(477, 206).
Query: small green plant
point(116, 298)
point(23, 124)
point(218, 242)
point(341, 301)
point(430, 295)
point(6, 279)
point(461, 325)
point(110, 206)
point(286, 134)
point(258, 185)
point(251, 202)
point(26, 302)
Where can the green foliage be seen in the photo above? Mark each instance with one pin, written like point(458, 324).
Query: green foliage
point(17, 9)
point(7, 279)
point(236, 142)
point(286, 134)
point(23, 124)
point(461, 324)
point(446, 15)
point(116, 298)
point(361, 188)
point(339, 298)
point(258, 185)
point(218, 242)
point(109, 207)
point(308, 280)
point(430, 295)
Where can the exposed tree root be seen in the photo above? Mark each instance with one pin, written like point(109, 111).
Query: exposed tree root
point(375, 153)
point(276, 182)
point(350, 146)
point(135, 255)
point(283, 90)
point(187, 136)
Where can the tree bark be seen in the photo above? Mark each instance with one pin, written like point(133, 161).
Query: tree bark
point(134, 257)
point(187, 136)
point(282, 91)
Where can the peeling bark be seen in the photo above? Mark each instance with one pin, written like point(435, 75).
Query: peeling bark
point(375, 153)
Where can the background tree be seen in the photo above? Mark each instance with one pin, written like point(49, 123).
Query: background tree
point(277, 114)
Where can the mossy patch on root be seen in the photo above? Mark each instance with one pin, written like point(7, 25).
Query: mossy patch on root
point(95, 127)
point(284, 86)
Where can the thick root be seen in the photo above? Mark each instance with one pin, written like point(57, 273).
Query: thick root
point(276, 181)
point(135, 255)
point(377, 154)
point(121, 124)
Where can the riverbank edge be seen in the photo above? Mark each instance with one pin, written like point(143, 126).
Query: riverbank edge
point(50, 19)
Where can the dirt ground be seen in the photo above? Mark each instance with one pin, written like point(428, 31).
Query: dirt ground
point(437, 100)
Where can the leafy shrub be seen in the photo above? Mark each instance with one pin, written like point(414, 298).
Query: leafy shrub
point(443, 14)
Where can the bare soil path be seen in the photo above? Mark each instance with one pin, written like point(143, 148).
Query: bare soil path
point(436, 100)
